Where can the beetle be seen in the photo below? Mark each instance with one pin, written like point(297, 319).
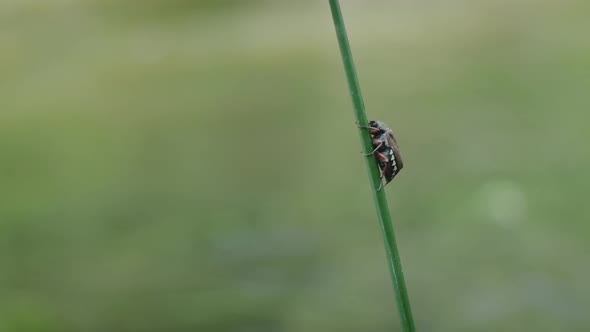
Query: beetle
point(386, 151)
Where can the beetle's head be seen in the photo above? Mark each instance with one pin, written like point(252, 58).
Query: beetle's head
point(377, 124)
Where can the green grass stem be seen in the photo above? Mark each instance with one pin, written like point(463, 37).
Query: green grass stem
point(393, 259)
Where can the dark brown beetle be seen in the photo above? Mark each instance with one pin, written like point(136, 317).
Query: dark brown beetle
point(386, 151)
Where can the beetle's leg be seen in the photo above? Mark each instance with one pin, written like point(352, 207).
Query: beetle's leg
point(381, 157)
point(384, 159)
point(380, 182)
point(358, 125)
point(372, 152)
point(372, 130)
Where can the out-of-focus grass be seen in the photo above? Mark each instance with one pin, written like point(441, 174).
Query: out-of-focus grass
point(176, 170)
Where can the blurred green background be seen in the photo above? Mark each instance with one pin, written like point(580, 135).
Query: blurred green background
point(194, 165)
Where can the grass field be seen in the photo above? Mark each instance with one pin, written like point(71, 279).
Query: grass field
point(178, 166)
